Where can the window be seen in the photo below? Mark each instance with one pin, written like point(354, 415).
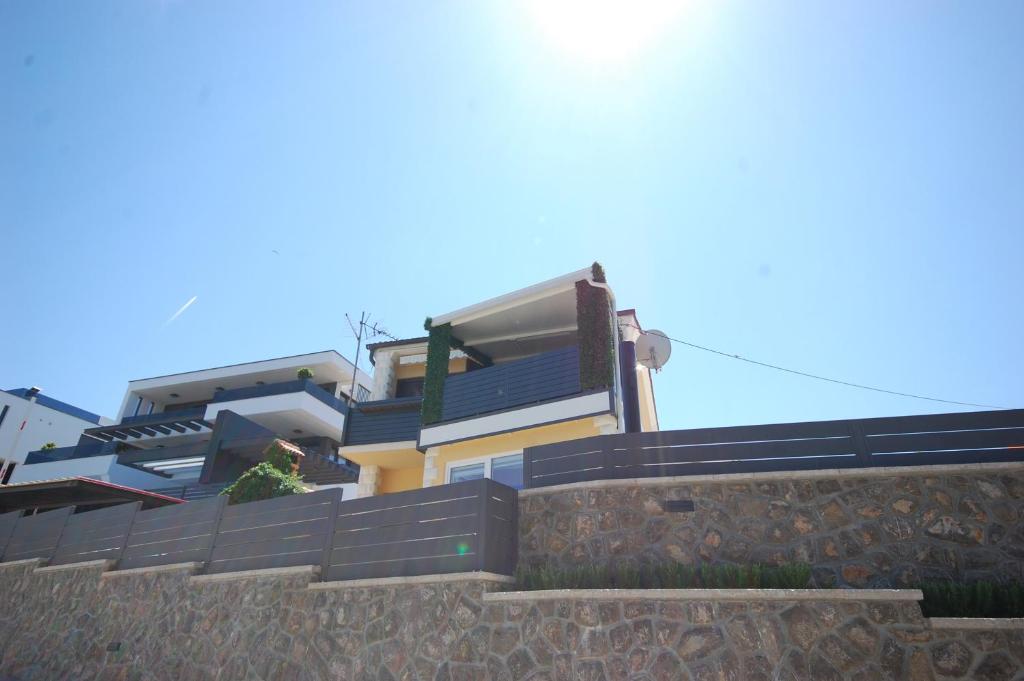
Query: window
point(506, 469)
point(473, 471)
point(409, 387)
point(3, 414)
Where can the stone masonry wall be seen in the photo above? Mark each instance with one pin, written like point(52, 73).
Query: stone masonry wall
point(62, 624)
point(877, 528)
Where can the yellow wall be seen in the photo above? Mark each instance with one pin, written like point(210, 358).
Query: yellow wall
point(385, 458)
point(399, 479)
point(512, 442)
point(455, 366)
point(645, 395)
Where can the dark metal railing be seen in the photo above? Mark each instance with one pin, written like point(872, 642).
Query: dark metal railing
point(287, 387)
point(959, 438)
point(82, 450)
point(462, 527)
point(519, 383)
point(395, 420)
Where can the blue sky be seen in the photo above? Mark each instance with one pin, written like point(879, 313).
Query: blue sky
point(835, 187)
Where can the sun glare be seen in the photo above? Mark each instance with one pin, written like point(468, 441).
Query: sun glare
point(603, 30)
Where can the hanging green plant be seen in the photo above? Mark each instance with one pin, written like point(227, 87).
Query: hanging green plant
point(595, 338)
point(438, 350)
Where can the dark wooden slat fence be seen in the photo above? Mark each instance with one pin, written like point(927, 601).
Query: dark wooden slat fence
point(7, 523)
point(279, 532)
point(181, 533)
point(95, 535)
point(467, 526)
point(461, 527)
point(973, 437)
point(37, 536)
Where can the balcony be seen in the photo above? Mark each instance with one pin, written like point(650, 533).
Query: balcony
point(298, 407)
point(80, 451)
point(396, 420)
point(543, 388)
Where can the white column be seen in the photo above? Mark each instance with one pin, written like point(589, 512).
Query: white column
point(384, 374)
point(430, 465)
point(369, 481)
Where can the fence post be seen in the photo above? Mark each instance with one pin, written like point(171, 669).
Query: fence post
point(483, 489)
point(124, 542)
point(527, 467)
point(60, 534)
point(332, 522)
point(860, 444)
point(15, 516)
point(223, 498)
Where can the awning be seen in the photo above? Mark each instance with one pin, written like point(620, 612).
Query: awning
point(81, 492)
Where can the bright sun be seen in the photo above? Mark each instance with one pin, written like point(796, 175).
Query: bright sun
point(603, 30)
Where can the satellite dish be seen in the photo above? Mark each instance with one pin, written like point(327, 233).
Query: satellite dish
point(653, 349)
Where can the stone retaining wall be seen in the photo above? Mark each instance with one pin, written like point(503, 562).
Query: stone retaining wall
point(862, 528)
point(78, 623)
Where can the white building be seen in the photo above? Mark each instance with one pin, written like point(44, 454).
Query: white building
point(188, 434)
point(29, 420)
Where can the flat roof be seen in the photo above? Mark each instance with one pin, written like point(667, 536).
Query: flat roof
point(242, 364)
point(508, 299)
point(56, 405)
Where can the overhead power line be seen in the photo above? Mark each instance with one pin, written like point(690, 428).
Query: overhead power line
point(820, 378)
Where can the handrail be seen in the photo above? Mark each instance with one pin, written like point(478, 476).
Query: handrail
point(283, 388)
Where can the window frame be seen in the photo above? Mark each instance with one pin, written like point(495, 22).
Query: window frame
point(485, 460)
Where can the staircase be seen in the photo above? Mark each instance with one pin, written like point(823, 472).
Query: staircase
point(317, 469)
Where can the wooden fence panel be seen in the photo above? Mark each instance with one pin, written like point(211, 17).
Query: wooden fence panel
point(37, 536)
point(444, 529)
point(280, 532)
point(95, 535)
point(974, 437)
point(182, 533)
point(8, 521)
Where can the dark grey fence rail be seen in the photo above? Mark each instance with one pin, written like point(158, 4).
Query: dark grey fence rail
point(95, 535)
point(467, 526)
point(972, 437)
point(513, 384)
point(274, 533)
point(394, 420)
point(173, 534)
point(37, 536)
point(462, 527)
point(7, 523)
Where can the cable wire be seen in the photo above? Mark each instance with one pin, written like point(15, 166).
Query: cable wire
point(815, 376)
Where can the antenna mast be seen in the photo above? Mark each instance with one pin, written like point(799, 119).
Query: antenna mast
point(372, 331)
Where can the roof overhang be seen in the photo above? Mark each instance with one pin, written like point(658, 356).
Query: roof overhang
point(328, 366)
point(60, 492)
point(531, 320)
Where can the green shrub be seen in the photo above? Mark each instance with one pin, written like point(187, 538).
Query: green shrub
point(263, 481)
point(304, 374)
point(438, 352)
point(48, 446)
point(593, 321)
point(975, 599)
point(665, 576)
point(280, 458)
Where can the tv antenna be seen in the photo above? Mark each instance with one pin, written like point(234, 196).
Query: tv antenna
point(372, 331)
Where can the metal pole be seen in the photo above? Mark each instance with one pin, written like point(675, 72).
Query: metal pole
point(355, 367)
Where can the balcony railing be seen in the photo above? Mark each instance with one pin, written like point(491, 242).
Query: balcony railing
point(396, 420)
point(532, 380)
point(79, 451)
point(285, 388)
